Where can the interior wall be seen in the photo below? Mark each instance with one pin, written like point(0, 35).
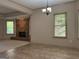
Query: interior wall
point(77, 5)
point(41, 26)
point(41, 29)
point(1, 27)
point(77, 21)
point(3, 35)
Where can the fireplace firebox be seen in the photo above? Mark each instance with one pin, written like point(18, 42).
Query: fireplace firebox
point(22, 34)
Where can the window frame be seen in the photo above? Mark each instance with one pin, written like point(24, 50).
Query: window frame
point(55, 25)
point(13, 27)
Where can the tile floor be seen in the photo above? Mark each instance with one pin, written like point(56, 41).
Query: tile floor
point(40, 51)
point(11, 44)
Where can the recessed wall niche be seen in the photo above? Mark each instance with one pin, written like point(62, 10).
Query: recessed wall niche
point(22, 28)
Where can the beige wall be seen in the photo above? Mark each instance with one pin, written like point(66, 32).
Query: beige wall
point(41, 26)
point(3, 34)
point(41, 29)
point(1, 28)
point(77, 5)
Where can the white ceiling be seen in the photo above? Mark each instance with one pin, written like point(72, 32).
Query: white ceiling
point(4, 10)
point(34, 4)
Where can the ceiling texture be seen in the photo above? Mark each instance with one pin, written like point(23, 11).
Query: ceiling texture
point(30, 4)
point(34, 4)
point(4, 10)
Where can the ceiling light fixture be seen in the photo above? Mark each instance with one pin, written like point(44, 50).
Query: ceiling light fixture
point(47, 10)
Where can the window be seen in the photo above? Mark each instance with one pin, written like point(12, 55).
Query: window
point(60, 27)
point(10, 27)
